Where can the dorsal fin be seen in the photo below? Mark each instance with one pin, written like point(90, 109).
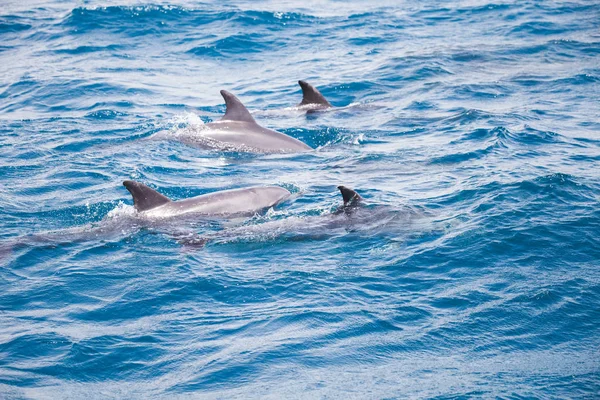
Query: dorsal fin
point(350, 196)
point(235, 111)
point(144, 198)
point(310, 95)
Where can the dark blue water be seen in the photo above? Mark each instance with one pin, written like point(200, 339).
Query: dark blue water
point(472, 129)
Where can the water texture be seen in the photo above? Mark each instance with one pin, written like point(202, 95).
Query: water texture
point(471, 129)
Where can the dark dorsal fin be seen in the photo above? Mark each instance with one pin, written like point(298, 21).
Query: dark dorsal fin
point(350, 196)
point(144, 198)
point(310, 95)
point(235, 111)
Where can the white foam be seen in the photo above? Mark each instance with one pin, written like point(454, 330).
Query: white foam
point(121, 210)
point(187, 119)
point(180, 125)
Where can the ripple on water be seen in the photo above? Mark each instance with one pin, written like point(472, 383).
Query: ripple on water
point(470, 270)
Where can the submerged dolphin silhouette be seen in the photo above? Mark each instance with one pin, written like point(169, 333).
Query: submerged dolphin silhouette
point(238, 131)
point(354, 215)
point(235, 202)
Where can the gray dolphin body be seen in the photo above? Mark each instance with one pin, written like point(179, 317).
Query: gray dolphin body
point(238, 131)
point(159, 214)
point(236, 202)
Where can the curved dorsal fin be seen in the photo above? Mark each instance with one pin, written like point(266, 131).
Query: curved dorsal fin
point(144, 198)
point(235, 111)
point(350, 196)
point(310, 95)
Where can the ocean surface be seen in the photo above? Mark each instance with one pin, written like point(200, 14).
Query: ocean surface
point(471, 129)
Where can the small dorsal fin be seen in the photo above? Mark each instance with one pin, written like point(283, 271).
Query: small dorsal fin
point(235, 111)
point(310, 95)
point(350, 196)
point(144, 198)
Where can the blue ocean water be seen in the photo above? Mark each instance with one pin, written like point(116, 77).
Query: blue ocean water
point(471, 128)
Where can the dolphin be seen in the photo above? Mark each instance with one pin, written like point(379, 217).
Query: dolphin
point(157, 213)
point(312, 99)
point(238, 131)
point(350, 197)
point(354, 215)
point(314, 102)
point(236, 202)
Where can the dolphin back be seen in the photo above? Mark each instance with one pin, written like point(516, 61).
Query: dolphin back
point(310, 95)
point(351, 198)
point(236, 110)
point(145, 198)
